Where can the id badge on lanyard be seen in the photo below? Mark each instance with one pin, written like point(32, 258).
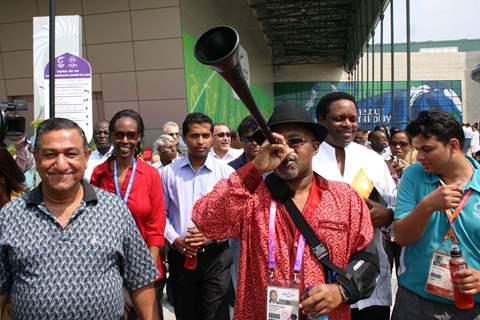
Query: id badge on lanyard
point(439, 280)
point(130, 182)
point(282, 298)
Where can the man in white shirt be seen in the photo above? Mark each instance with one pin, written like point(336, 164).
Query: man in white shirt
point(222, 138)
point(200, 291)
point(167, 151)
point(379, 144)
point(340, 159)
point(104, 148)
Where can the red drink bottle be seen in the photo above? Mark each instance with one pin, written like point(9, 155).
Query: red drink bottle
point(190, 263)
point(457, 263)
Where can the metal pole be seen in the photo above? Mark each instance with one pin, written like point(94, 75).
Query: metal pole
point(368, 49)
point(51, 60)
point(381, 66)
point(357, 78)
point(348, 82)
point(373, 69)
point(392, 63)
point(351, 80)
point(361, 77)
point(409, 78)
point(373, 60)
point(354, 73)
point(368, 67)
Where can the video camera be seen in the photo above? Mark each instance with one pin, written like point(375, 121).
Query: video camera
point(11, 124)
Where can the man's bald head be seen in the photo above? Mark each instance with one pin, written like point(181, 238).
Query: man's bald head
point(100, 123)
point(101, 136)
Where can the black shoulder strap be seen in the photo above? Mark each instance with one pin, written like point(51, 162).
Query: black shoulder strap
point(280, 192)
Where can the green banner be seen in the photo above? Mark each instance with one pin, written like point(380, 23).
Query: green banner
point(209, 93)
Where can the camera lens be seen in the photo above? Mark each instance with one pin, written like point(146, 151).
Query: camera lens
point(15, 126)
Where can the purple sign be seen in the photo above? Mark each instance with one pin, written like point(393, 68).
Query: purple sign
point(69, 66)
point(73, 90)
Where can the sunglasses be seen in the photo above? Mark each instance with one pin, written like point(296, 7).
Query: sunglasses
point(247, 139)
point(297, 142)
point(399, 143)
point(120, 135)
point(223, 134)
point(173, 134)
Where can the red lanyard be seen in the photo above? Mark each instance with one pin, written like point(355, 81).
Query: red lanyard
point(452, 215)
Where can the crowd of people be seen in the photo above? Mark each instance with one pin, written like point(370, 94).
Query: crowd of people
point(309, 225)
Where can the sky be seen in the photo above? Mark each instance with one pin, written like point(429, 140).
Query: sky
point(433, 20)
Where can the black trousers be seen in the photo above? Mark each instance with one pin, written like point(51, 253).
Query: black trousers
point(372, 313)
point(393, 251)
point(201, 294)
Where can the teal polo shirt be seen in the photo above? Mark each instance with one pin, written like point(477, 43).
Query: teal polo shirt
point(415, 259)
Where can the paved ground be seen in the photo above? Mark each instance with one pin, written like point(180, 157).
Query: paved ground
point(167, 310)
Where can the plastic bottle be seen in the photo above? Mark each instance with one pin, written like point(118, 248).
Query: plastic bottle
point(457, 263)
point(190, 263)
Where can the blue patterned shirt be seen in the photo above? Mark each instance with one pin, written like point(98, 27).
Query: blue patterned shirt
point(76, 272)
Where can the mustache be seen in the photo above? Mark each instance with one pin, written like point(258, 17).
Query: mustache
point(292, 157)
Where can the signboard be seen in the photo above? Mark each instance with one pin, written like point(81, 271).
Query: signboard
point(73, 90)
point(68, 38)
point(375, 108)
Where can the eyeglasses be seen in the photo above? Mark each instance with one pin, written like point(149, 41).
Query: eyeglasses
point(120, 135)
point(297, 142)
point(173, 134)
point(399, 143)
point(223, 134)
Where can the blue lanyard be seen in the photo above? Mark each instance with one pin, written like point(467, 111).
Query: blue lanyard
point(130, 182)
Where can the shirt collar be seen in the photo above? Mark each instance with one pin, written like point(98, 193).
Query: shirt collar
point(35, 197)
point(185, 161)
point(333, 148)
point(104, 167)
point(230, 153)
point(473, 184)
point(107, 154)
point(475, 181)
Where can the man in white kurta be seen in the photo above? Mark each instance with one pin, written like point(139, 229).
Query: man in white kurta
point(340, 159)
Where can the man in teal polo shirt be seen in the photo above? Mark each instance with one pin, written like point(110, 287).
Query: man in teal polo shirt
point(427, 190)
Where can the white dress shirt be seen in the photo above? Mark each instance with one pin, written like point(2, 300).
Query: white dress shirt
point(359, 157)
point(95, 159)
point(231, 154)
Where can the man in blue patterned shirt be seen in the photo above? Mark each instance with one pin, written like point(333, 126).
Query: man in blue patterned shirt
point(67, 248)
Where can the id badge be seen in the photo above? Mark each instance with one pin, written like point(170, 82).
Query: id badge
point(439, 281)
point(282, 302)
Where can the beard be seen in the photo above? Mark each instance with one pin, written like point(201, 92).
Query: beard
point(288, 169)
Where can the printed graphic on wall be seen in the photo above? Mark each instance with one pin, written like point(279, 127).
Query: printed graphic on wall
point(374, 109)
point(209, 93)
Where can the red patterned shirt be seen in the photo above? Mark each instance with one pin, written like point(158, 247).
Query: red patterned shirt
point(239, 207)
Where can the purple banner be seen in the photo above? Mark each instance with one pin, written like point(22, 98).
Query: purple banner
point(70, 66)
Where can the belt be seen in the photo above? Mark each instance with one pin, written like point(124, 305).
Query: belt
point(213, 245)
point(209, 246)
